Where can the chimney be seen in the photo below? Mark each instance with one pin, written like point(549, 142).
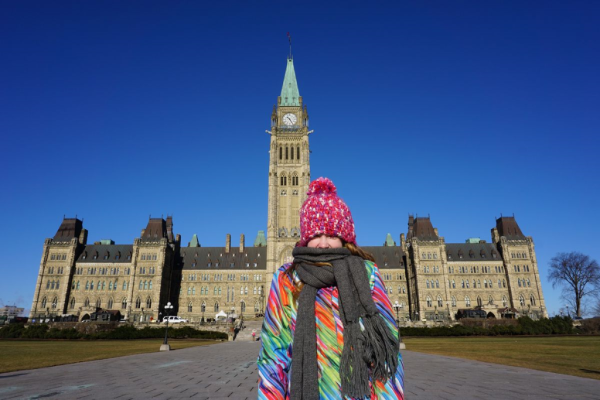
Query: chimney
point(227, 243)
point(143, 231)
point(435, 231)
point(242, 243)
point(83, 236)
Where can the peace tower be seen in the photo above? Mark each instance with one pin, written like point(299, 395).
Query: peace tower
point(289, 171)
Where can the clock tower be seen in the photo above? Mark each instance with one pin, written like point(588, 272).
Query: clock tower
point(289, 171)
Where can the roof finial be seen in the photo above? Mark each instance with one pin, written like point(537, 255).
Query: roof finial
point(290, 40)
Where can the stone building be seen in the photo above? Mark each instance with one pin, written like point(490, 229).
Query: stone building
point(426, 278)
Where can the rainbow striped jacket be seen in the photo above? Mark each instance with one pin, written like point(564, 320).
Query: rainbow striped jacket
point(275, 358)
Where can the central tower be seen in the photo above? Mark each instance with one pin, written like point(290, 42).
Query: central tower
point(289, 170)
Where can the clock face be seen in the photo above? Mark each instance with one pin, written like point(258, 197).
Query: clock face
point(289, 119)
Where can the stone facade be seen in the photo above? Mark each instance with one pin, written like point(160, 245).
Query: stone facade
point(426, 278)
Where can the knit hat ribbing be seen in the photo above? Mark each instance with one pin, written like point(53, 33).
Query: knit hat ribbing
point(324, 212)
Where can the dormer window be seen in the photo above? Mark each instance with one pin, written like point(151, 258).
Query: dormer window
point(95, 255)
point(84, 256)
point(106, 255)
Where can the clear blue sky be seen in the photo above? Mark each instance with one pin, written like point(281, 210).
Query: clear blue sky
point(114, 111)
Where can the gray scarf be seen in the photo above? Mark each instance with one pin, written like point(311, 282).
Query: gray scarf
point(369, 352)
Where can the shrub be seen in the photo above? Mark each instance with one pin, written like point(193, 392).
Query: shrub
point(12, 331)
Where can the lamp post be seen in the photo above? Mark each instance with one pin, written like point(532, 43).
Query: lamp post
point(165, 346)
point(448, 307)
point(568, 313)
point(397, 307)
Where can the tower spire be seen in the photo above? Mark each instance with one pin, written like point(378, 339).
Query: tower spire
point(290, 40)
point(290, 95)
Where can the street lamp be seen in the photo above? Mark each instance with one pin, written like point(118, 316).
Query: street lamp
point(165, 346)
point(397, 307)
point(448, 307)
point(568, 313)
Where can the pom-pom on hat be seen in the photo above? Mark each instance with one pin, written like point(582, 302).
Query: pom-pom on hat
point(324, 212)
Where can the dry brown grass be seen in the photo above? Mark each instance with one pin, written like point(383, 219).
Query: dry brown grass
point(16, 355)
point(571, 355)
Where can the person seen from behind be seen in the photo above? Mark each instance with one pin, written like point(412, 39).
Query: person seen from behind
point(329, 330)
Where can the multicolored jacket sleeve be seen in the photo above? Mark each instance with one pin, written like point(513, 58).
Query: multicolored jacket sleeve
point(393, 388)
point(275, 357)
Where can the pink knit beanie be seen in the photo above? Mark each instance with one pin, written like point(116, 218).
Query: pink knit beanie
point(324, 212)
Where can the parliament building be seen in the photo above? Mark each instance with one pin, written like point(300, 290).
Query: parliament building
point(426, 278)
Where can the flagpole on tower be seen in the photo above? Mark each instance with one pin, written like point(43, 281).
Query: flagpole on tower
point(290, 40)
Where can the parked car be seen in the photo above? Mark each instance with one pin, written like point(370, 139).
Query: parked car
point(173, 319)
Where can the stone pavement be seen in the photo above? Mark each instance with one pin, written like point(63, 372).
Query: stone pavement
point(228, 370)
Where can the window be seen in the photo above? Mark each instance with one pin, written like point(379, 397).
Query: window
point(467, 301)
point(190, 307)
point(453, 301)
point(149, 303)
point(124, 285)
point(429, 302)
point(439, 301)
point(124, 304)
point(479, 302)
point(490, 300)
point(243, 306)
point(522, 301)
point(98, 303)
point(86, 303)
point(504, 301)
point(437, 283)
point(532, 300)
point(138, 303)
point(110, 303)
point(44, 302)
point(203, 307)
point(427, 283)
point(216, 307)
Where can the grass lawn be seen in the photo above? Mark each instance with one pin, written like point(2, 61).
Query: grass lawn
point(17, 355)
point(571, 355)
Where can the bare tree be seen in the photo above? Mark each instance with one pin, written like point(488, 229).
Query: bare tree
point(577, 275)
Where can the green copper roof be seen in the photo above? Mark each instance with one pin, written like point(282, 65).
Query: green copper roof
point(290, 95)
point(194, 242)
point(106, 241)
point(389, 241)
point(260, 240)
point(472, 240)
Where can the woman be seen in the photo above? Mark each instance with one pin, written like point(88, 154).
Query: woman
point(329, 330)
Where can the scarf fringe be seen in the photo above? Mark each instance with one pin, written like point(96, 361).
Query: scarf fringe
point(385, 362)
point(353, 370)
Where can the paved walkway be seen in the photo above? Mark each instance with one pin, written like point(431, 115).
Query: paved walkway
point(228, 370)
